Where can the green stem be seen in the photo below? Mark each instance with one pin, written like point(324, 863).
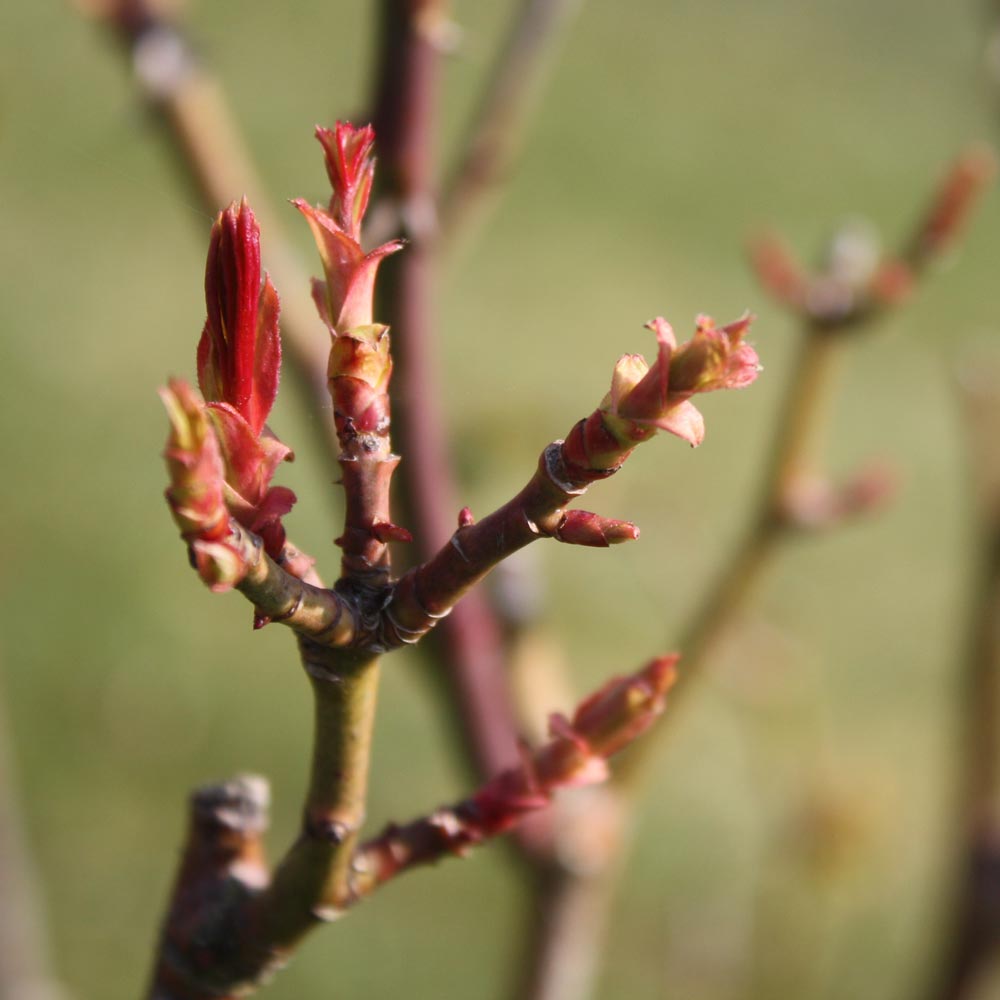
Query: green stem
point(312, 883)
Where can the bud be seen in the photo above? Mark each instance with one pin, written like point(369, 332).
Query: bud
point(344, 300)
point(239, 364)
point(625, 707)
point(581, 527)
point(605, 723)
point(360, 365)
point(657, 397)
point(351, 169)
point(951, 207)
point(239, 355)
point(196, 494)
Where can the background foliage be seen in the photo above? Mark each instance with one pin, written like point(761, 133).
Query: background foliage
point(794, 843)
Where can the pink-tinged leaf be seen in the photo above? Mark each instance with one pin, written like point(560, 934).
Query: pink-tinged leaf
point(218, 564)
point(340, 255)
point(350, 273)
point(683, 420)
point(629, 372)
point(357, 307)
point(196, 494)
point(321, 298)
point(666, 344)
point(267, 361)
point(250, 463)
point(277, 502)
point(232, 286)
point(195, 465)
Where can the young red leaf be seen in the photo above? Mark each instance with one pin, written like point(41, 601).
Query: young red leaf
point(239, 355)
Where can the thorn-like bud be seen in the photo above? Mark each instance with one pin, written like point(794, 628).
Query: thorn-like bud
point(385, 531)
point(580, 527)
point(465, 518)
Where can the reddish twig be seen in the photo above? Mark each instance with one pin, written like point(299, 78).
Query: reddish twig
point(405, 118)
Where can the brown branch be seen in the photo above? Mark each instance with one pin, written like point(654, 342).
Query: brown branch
point(214, 156)
point(496, 133)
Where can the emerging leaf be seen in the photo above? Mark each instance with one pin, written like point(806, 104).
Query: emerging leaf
point(239, 355)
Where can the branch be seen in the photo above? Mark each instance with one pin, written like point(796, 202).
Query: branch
point(856, 287)
point(214, 156)
point(405, 118)
point(228, 927)
point(603, 724)
point(496, 134)
point(642, 400)
point(314, 881)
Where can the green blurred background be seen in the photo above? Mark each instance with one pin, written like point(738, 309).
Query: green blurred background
point(795, 842)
